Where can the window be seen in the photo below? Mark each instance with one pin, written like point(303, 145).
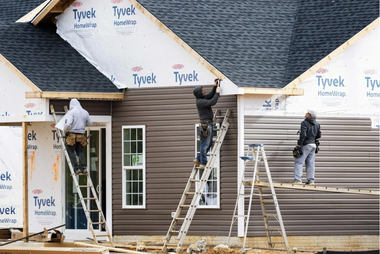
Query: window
point(133, 161)
point(210, 197)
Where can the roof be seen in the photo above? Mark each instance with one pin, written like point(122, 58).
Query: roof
point(49, 63)
point(263, 43)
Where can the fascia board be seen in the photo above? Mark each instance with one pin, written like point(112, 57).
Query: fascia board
point(32, 14)
point(19, 74)
point(47, 8)
point(71, 95)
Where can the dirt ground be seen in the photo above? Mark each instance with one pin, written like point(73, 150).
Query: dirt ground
point(252, 251)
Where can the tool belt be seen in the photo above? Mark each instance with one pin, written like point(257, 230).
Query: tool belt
point(73, 138)
point(204, 128)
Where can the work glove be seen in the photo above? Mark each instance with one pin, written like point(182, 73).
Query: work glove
point(218, 89)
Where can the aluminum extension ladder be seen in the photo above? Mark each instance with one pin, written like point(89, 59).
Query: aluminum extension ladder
point(197, 190)
point(86, 201)
point(266, 198)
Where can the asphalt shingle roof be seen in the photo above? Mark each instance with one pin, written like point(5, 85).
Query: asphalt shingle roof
point(44, 57)
point(264, 43)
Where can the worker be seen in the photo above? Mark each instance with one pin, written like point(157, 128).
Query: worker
point(76, 121)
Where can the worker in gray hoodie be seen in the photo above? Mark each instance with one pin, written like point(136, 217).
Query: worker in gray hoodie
point(75, 128)
point(204, 102)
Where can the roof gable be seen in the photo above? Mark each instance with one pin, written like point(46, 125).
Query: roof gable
point(49, 62)
point(263, 43)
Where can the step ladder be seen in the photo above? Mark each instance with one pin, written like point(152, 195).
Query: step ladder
point(87, 202)
point(268, 200)
point(194, 188)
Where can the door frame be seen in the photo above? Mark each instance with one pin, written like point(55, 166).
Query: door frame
point(100, 122)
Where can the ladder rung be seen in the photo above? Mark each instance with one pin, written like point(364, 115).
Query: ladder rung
point(267, 200)
point(277, 242)
point(94, 211)
point(241, 216)
point(92, 198)
point(97, 223)
point(180, 218)
point(270, 215)
point(101, 235)
point(245, 195)
point(84, 186)
point(190, 193)
point(174, 231)
point(273, 229)
point(195, 180)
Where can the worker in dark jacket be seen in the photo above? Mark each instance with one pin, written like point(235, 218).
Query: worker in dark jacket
point(204, 102)
point(309, 133)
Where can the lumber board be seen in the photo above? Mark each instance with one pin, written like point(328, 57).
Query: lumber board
point(315, 188)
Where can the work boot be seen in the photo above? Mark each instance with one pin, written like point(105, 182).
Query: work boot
point(202, 166)
point(309, 182)
point(296, 181)
point(196, 162)
point(77, 169)
point(84, 169)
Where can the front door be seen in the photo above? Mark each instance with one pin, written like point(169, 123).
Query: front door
point(77, 226)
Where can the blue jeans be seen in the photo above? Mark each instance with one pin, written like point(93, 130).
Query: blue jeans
point(308, 158)
point(206, 143)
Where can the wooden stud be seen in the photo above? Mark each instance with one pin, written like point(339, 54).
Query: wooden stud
point(25, 179)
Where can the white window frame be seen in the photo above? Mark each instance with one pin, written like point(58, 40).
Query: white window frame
point(136, 167)
point(217, 168)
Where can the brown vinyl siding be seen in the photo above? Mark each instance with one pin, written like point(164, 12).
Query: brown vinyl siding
point(170, 115)
point(349, 158)
point(94, 108)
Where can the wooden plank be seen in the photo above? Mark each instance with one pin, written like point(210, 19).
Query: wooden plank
point(45, 11)
point(285, 91)
point(53, 250)
point(33, 13)
point(109, 248)
point(315, 188)
point(70, 95)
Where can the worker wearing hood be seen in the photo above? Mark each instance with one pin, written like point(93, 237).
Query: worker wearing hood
point(77, 119)
point(204, 102)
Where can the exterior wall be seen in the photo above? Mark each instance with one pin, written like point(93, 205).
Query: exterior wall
point(170, 115)
point(349, 158)
point(100, 108)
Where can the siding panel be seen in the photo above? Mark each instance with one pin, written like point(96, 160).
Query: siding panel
point(170, 115)
point(99, 108)
point(349, 158)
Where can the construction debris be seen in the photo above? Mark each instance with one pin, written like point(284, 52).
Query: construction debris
point(140, 246)
point(197, 248)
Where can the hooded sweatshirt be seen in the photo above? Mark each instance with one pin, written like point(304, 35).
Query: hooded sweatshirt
point(204, 103)
point(77, 118)
point(310, 131)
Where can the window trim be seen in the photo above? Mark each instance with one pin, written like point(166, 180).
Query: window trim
point(217, 206)
point(125, 168)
